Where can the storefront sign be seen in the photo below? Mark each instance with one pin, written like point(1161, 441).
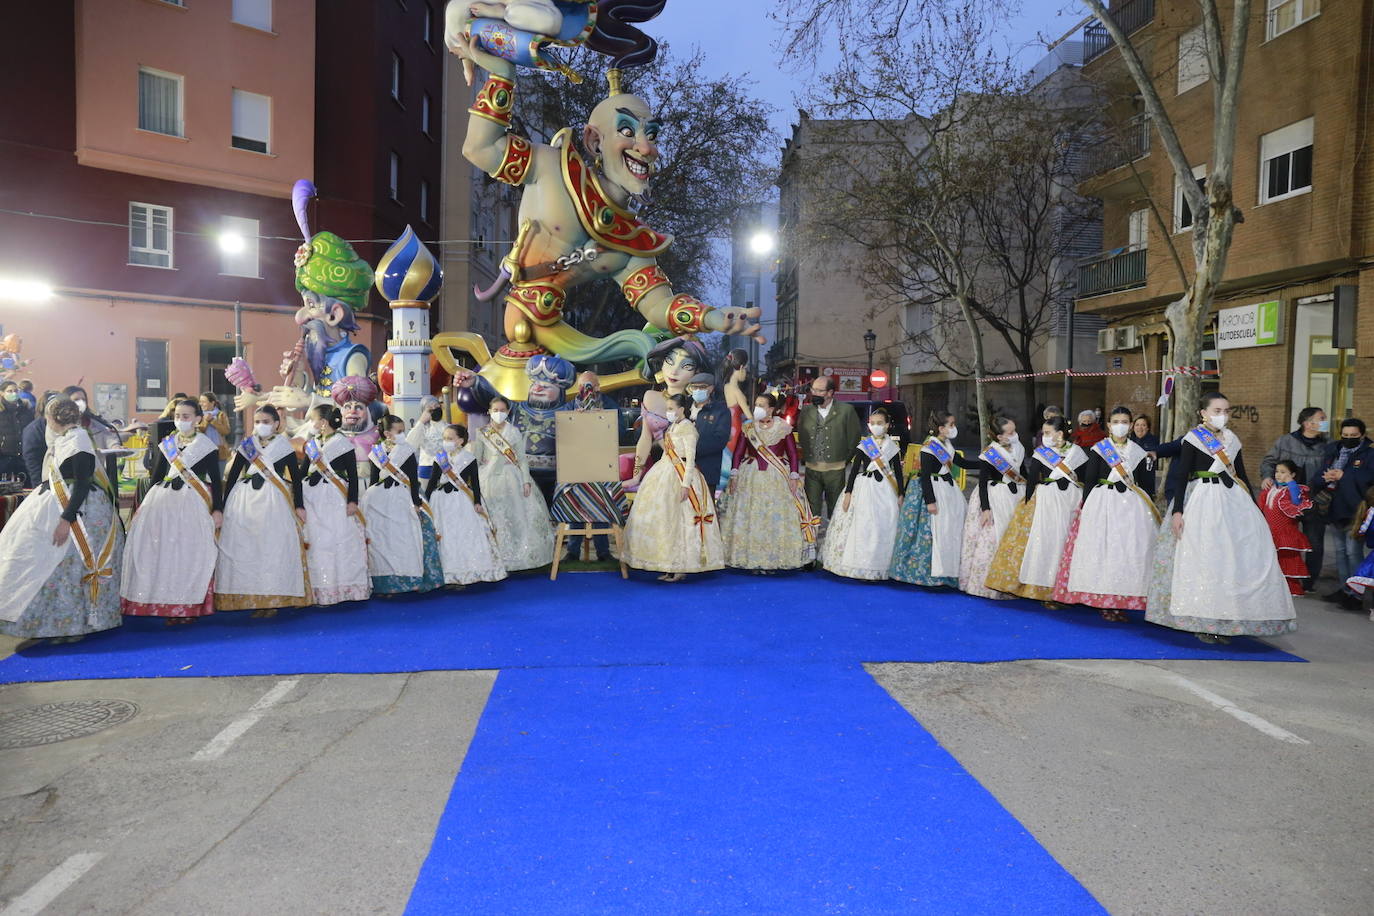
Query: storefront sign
point(847, 380)
point(1248, 326)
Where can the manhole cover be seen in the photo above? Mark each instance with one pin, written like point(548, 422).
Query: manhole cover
point(53, 722)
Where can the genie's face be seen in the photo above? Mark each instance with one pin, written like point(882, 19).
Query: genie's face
point(544, 393)
point(625, 133)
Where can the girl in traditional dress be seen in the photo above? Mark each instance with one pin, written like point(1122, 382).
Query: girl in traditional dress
point(1001, 486)
point(61, 551)
point(931, 532)
point(862, 533)
point(402, 552)
point(262, 544)
point(334, 527)
point(1210, 578)
point(1109, 554)
point(1027, 559)
point(170, 558)
point(467, 542)
point(672, 525)
point(768, 525)
point(518, 511)
point(1283, 505)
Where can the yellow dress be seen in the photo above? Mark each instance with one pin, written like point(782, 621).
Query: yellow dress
point(666, 533)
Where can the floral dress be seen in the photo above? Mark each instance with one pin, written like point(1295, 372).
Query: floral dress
point(928, 546)
point(767, 525)
point(665, 532)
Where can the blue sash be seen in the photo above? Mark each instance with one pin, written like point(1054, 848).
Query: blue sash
point(312, 449)
point(995, 458)
point(249, 449)
point(934, 447)
point(169, 448)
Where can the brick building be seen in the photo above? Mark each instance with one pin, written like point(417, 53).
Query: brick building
point(1303, 181)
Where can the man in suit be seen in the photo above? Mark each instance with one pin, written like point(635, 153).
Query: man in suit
point(712, 419)
point(828, 431)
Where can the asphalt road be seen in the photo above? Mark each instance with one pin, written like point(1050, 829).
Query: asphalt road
point(1178, 787)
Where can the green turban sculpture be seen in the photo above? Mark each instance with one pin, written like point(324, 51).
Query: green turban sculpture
point(329, 266)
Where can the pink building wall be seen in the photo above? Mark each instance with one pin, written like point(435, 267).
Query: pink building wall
point(214, 55)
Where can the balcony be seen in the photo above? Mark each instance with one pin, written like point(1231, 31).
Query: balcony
point(1130, 15)
point(1112, 272)
point(1112, 152)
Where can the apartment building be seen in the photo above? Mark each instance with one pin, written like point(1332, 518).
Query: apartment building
point(1289, 333)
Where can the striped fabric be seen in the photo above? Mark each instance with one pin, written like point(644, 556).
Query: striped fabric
point(590, 503)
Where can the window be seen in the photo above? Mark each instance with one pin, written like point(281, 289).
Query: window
point(424, 113)
point(424, 200)
point(1138, 229)
point(395, 181)
point(150, 235)
point(1285, 15)
point(150, 371)
point(1286, 162)
point(238, 256)
point(397, 72)
point(252, 121)
point(159, 102)
point(255, 14)
point(429, 25)
point(1183, 213)
point(1192, 59)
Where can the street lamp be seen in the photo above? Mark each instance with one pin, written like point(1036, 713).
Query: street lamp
point(762, 242)
point(13, 289)
point(230, 242)
point(870, 341)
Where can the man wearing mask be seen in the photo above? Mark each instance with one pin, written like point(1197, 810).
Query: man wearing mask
point(828, 431)
point(35, 442)
point(1305, 447)
point(427, 435)
point(1347, 472)
point(14, 416)
point(712, 419)
point(1089, 431)
point(103, 435)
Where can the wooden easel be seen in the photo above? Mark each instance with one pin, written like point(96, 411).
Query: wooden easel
point(566, 530)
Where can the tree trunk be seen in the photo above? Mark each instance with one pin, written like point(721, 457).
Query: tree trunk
point(979, 370)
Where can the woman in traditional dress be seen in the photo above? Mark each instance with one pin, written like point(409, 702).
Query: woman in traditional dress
point(864, 529)
point(334, 527)
point(1027, 559)
point(467, 542)
point(1109, 554)
point(1211, 576)
point(170, 558)
point(518, 511)
point(402, 552)
point(767, 526)
point(1001, 483)
point(672, 526)
point(261, 545)
point(61, 551)
point(931, 531)
point(1283, 505)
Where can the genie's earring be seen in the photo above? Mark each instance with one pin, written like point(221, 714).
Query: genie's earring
point(597, 161)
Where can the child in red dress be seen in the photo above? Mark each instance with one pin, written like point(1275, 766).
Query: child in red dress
point(1283, 504)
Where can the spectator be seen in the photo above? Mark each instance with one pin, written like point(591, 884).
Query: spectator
point(103, 435)
point(26, 394)
point(171, 405)
point(1089, 431)
point(1346, 472)
point(35, 442)
point(713, 421)
point(1142, 434)
point(14, 416)
point(1305, 447)
point(214, 422)
point(1045, 415)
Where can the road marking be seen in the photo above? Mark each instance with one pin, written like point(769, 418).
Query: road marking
point(53, 883)
point(235, 729)
point(1231, 709)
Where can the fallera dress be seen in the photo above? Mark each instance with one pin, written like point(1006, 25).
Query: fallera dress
point(999, 492)
point(859, 542)
point(929, 546)
point(523, 529)
point(337, 556)
point(402, 552)
point(1027, 560)
point(1283, 506)
point(262, 550)
point(767, 525)
point(665, 532)
point(467, 543)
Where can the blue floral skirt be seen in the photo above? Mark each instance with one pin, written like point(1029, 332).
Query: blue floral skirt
point(433, 576)
point(911, 557)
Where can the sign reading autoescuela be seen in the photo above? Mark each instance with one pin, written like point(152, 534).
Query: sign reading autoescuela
point(1248, 326)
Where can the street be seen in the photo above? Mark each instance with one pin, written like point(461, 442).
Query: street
point(321, 793)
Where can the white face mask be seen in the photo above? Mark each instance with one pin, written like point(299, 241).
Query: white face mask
point(878, 429)
point(1120, 430)
point(451, 447)
point(264, 430)
point(760, 413)
point(498, 417)
point(671, 415)
point(1217, 422)
point(185, 426)
point(700, 395)
point(80, 404)
point(953, 433)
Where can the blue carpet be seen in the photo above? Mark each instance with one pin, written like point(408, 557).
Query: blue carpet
point(706, 790)
point(597, 619)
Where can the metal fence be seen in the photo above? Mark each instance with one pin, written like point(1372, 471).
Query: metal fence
point(1112, 272)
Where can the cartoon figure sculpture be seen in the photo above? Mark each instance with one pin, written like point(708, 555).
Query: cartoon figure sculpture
point(575, 219)
point(355, 395)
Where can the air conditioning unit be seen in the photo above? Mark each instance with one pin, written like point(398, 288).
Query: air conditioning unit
point(1106, 340)
point(1124, 338)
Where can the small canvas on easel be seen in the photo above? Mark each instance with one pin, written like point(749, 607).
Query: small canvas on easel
point(588, 446)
